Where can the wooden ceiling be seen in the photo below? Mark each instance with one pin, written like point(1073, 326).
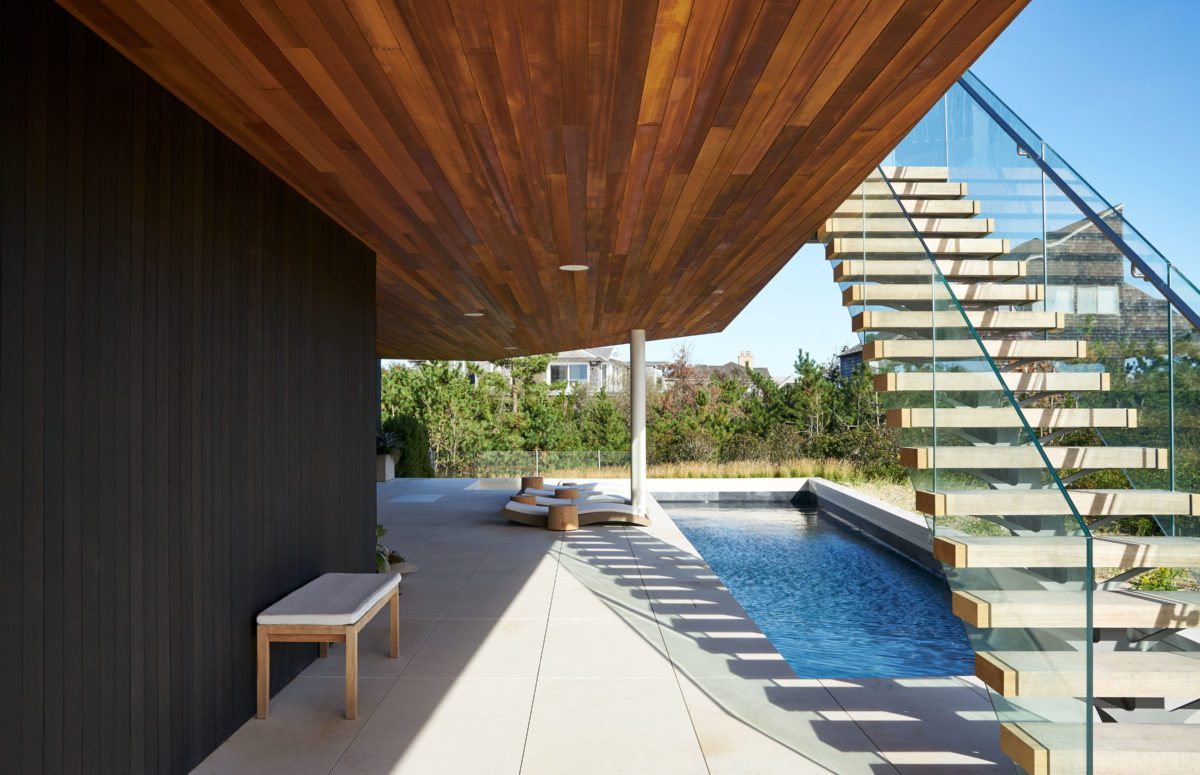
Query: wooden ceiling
point(682, 149)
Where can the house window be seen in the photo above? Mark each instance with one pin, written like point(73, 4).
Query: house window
point(1108, 300)
point(1084, 299)
point(1060, 298)
point(568, 372)
point(1097, 300)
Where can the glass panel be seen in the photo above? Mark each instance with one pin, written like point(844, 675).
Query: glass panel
point(573, 464)
point(950, 286)
point(1110, 400)
point(578, 372)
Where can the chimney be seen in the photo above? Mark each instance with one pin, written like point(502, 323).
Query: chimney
point(746, 359)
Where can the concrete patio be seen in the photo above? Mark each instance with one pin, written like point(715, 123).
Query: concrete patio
point(606, 650)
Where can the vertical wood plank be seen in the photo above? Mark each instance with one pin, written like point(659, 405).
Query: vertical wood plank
point(120, 106)
point(13, 86)
point(164, 304)
point(33, 477)
point(71, 554)
point(90, 411)
point(58, 453)
point(136, 655)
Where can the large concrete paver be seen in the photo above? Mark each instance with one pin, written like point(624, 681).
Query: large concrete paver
point(633, 726)
point(436, 726)
point(608, 650)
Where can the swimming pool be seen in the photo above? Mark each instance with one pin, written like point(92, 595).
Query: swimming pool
point(834, 603)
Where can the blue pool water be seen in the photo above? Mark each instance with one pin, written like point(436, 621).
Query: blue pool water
point(833, 602)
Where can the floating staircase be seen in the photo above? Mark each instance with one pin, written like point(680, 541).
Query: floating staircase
point(1000, 415)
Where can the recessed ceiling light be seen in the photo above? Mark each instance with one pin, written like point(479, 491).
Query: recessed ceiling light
point(719, 290)
point(511, 348)
point(473, 314)
point(574, 267)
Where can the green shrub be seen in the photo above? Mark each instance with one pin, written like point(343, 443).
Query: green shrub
point(1158, 580)
point(413, 457)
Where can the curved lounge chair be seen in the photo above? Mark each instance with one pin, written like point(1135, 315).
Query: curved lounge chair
point(583, 493)
point(586, 500)
point(589, 514)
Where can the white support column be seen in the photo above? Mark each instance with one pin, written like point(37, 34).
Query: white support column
point(637, 412)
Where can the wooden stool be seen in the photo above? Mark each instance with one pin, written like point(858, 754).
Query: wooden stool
point(530, 500)
point(563, 518)
point(568, 493)
point(532, 482)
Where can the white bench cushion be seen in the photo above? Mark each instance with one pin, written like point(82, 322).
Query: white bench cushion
point(582, 508)
point(332, 598)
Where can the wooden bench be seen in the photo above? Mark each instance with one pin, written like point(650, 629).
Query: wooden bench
point(332, 608)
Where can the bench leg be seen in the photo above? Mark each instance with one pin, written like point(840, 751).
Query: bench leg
point(351, 673)
point(394, 623)
point(264, 671)
point(322, 649)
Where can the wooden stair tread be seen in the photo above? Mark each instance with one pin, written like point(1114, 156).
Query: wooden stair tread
point(951, 268)
point(1027, 456)
point(972, 293)
point(1007, 417)
point(877, 247)
point(900, 226)
point(1067, 551)
point(877, 189)
point(1046, 748)
point(1017, 381)
point(1114, 673)
point(1095, 503)
point(916, 173)
point(925, 320)
point(1035, 608)
point(887, 208)
point(1002, 349)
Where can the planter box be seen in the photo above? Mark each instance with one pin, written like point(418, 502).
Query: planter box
point(385, 468)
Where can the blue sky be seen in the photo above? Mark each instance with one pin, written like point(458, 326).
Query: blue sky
point(1113, 86)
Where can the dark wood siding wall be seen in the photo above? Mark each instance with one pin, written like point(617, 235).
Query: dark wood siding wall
point(187, 356)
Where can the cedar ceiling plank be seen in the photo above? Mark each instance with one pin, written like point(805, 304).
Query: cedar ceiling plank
point(783, 61)
point(215, 28)
point(678, 147)
point(633, 55)
point(644, 143)
point(910, 93)
point(669, 26)
point(741, 213)
point(788, 191)
point(602, 36)
point(769, 27)
point(726, 54)
point(406, 130)
point(509, 47)
point(832, 28)
point(540, 21)
point(440, 45)
point(664, 185)
point(895, 102)
point(350, 96)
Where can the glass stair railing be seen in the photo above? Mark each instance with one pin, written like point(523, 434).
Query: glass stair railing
point(1041, 365)
point(949, 334)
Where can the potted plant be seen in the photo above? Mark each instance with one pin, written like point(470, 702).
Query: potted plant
point(382, 551)
point(388, 560)
point(387, 444)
